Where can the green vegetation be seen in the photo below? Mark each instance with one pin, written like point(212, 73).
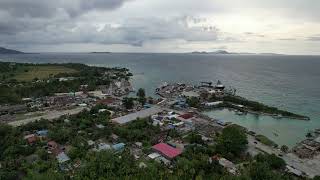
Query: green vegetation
point(21, 80)
point(128, 102)
point(193, 163)
point(232, 101)
point(284, 148)
point(258, 107)
point(138, 130)
point(193, 102)
point(141, 96)
point(232, 142)
point(30, 73)
point(264, 140)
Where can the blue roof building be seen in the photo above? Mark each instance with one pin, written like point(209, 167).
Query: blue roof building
point(118, 146)
point(42, 133)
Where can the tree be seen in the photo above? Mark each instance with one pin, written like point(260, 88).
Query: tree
point(195, 138)
point(128, 102)
point(141, 96)
point(284, 148)
point(232, 141)
point(193, 102)
point(141, 93)
point(272, 161)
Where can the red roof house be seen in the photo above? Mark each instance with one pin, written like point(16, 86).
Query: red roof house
point(166, 150)
point(186, 116)
point(107, 101)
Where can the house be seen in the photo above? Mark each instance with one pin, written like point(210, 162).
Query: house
point(52, 145)
point(31, 138)
point(230, 167)
point(90, 143)
point(166, 150)
point(154, 155)
point(118, 147)
point(62, 157)
point(185, 116)
point(42, 133)
point(107, 101)
point(102, 147)
point(294, 171)
point(100, 126)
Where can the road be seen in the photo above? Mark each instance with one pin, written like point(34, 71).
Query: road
point(50, 115)
point(309, 166)
point(139, 114)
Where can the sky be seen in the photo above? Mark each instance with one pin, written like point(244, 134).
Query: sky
point(256, 26)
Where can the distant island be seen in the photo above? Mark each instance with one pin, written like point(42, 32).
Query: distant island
point(9, 51)
point(226, 52)
point(100, 52)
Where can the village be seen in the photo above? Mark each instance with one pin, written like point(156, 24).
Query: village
point(150, 129)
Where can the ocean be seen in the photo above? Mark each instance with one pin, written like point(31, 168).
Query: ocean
point(288, 82)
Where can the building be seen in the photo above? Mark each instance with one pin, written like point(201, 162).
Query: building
point(102, 147)
point(166, 150)
point(31, 138)
point(118, 147)
point(230, 167)
point(43, 133)
point(190, 94)
point(62, 157)
point(185, 116)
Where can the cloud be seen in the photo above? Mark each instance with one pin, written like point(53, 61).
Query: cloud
point(287, 39)
point(138, 24)
point(49, 8)
point(314, 38)
point(135, 32)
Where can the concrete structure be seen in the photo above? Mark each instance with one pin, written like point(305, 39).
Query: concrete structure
point(140, 114)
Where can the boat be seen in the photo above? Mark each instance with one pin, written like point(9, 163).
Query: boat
point(239, 113)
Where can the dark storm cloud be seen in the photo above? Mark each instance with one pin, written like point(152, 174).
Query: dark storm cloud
point(49, 8)
point(135, 32)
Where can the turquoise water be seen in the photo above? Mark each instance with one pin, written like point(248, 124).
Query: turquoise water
point(289, 82)
point(288, 130)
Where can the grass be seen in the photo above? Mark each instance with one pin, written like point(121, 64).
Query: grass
point(264, 140)
point(29, 73)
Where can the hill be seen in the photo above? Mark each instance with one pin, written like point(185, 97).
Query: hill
point(9, 51)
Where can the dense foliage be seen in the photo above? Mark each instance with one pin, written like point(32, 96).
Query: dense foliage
point(232, 142)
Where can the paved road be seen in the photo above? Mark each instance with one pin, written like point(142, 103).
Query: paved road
point(48, 115)
point(139, 114)
point(309, 166)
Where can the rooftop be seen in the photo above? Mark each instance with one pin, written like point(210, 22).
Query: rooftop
point(167, 150)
